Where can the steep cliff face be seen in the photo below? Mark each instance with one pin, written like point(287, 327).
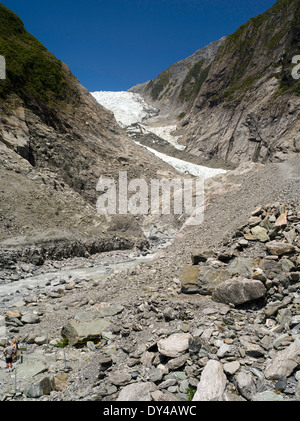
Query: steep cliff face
point(55, 143)
point(248, 108)
point(239, 102)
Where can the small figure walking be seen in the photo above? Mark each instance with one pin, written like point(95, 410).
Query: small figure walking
point(9, 353)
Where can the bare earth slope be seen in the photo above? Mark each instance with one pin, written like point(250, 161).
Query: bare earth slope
point(55, 143)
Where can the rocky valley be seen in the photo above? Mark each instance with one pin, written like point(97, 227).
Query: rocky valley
point(131, 307)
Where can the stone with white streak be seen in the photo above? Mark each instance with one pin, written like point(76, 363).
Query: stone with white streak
point(238, 291)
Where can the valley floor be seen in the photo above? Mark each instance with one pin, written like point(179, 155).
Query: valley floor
point(147, 307)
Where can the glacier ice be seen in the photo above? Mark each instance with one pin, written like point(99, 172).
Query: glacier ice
point(187, 167)
point(130, 108)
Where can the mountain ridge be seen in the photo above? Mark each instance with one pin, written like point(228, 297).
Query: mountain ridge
point(168, 92)
point(244, 105)
point(54, 146)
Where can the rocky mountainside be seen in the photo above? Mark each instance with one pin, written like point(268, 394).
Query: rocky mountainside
point(55, 143)
point(173, 90)
point(245, 105)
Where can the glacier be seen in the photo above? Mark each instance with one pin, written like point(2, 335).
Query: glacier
point(130, 108)
point(187, 167)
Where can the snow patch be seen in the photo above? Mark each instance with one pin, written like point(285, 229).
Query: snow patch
point(187, 167)
point(164, 132)
point(130, 108)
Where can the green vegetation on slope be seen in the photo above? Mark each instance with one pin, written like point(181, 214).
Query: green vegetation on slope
point(155, 88)
point(257, 42)
point(32, 72)
point(194, 80)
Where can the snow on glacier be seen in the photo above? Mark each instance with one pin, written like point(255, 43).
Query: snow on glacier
point(187, 167)
point(164, 132)
point(128, 107)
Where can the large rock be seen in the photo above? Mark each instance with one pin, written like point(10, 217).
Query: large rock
point(242, 266)
point(252, 350)
point(189, 279)
point(245, 385)
point(278, 248)
point(32, 366)
point(110, 310)
point(284, 362)
point(137, 392)
point(119, 378)
point(239, 291)
point(40, 388)
point(30, 318)
point(175, 345)
point(210, 278)
point(232, 367)
point(89, 329)
point(212, 383)
point(2, 328)
point(199, 256)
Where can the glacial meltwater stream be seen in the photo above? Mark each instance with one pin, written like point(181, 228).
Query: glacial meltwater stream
point(98, 272)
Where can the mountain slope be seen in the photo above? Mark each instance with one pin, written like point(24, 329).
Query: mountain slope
point(248, 107)
point(55, 143)
point(243, 105)
point(174, 89)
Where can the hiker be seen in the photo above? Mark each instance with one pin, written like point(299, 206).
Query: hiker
point(8, 353)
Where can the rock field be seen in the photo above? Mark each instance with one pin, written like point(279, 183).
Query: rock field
point(201, 320)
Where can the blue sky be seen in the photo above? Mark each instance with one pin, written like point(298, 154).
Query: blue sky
point(115, 44)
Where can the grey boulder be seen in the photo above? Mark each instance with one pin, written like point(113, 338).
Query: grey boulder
point(239, 291)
